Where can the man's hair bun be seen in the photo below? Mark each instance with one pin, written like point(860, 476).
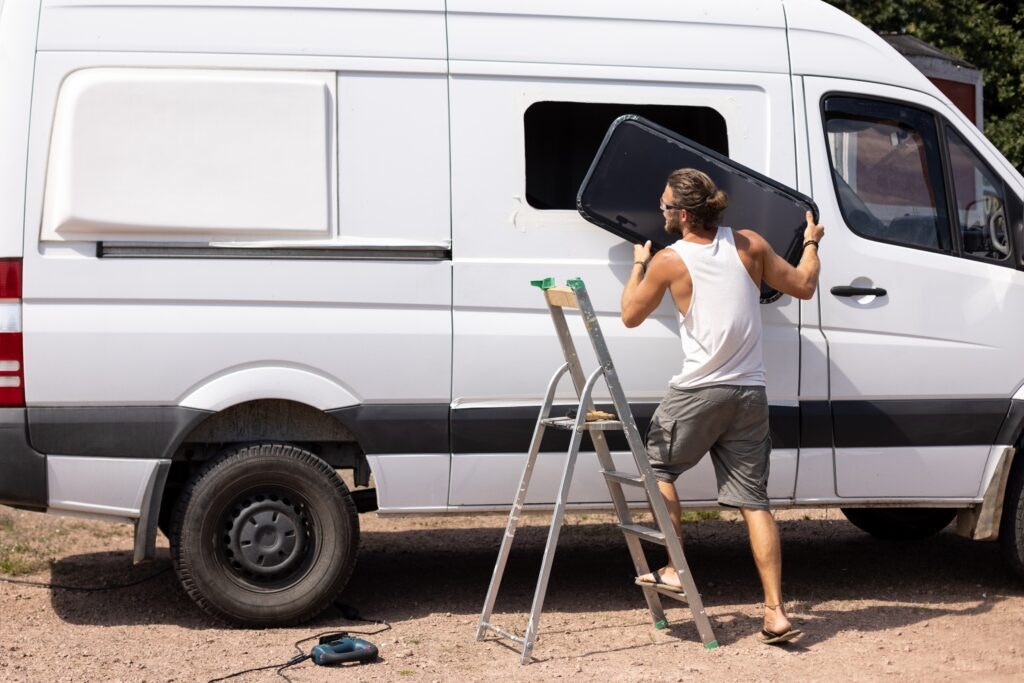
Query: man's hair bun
point(717, 202)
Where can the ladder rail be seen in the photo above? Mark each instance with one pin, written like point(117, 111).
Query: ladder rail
point(625, 515)
point(557, 518)
point(572, 358)
point(639, 449)
point(517, 506)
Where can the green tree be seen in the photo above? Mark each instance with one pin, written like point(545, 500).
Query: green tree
point(986, 34)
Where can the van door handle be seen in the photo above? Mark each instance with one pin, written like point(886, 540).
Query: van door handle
point(847, 290)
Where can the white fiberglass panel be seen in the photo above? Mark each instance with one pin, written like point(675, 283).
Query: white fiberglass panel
point(492, 479)
point(196, 154)
point(109, 487)
point(923, 472)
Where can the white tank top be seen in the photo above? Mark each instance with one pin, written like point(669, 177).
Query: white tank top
point(721, 332)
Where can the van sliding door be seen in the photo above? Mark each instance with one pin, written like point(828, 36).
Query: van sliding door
point(515, 221)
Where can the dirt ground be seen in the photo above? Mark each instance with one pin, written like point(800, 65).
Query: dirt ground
point(942, 609)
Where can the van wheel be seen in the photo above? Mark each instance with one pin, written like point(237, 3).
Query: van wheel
point(900, 524)
point(264, 535)
point(1011, 528)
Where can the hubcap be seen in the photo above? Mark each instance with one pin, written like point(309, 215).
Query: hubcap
point(266, 537)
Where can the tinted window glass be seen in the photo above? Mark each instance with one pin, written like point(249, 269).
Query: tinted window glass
point(888, 172)
point(563, 137)
point(981, 206)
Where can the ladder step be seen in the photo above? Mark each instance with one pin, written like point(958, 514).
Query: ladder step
point(569, 423)
point(624, 478)
point(645, 533)
point(504, 634)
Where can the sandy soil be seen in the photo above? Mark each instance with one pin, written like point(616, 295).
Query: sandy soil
point(942, 609)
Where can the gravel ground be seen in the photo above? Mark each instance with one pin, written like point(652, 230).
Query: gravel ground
point(942, 609)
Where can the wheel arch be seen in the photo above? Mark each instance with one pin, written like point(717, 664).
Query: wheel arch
point(263, 420)
point(983, 521)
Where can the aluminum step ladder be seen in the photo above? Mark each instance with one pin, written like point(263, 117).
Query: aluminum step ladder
point(574, 295)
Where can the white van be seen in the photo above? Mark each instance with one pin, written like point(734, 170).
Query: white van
point(246, 244)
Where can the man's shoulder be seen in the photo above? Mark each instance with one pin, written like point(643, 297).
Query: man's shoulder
point(668, 257)
point(748, 240)
point(667, 265)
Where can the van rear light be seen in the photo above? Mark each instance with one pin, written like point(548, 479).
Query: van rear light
point(12, 370)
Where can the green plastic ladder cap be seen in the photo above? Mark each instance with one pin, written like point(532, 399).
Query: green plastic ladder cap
point(661, 624)
point(575, 283)
point(711, 646)
point(545, 284)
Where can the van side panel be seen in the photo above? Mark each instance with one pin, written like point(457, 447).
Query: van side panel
point(361, 312)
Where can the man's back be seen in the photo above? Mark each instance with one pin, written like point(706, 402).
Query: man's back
point(720, 326)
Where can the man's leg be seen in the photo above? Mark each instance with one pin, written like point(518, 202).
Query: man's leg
point(671, 496)
point(667, 574)
point(767, 549)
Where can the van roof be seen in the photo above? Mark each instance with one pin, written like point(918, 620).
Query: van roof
point(824, 41)
point(739, 35)
point(707, 35)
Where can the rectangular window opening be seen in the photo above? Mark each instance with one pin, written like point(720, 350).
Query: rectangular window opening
point(562, 139)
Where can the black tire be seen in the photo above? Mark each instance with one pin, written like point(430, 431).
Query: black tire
point(900, 524)
point(1011, 527)
point(265, 535)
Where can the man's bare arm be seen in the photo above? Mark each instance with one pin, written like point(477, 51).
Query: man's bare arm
point(801, 281)
point(645, 288)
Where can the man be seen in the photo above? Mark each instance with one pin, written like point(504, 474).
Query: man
point(717, 402)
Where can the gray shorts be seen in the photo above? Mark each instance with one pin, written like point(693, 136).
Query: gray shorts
point(730, 422)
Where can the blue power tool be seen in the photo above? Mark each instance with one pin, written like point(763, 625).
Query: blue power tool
point(343, 649)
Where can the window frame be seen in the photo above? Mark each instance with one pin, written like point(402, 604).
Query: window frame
point(943, 170)
point(1011, 259)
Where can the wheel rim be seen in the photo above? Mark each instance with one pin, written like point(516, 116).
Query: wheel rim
point(268, 540)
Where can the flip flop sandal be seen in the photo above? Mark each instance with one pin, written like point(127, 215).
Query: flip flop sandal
point(658, 583)
point(772, 638)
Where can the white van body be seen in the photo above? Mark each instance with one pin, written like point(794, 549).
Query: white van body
point(312, 223)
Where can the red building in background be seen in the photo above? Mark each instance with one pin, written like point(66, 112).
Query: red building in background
point(959, 80)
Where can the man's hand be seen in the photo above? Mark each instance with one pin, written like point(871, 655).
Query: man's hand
point(802, 280)
point(642, 253)
point(813, 232)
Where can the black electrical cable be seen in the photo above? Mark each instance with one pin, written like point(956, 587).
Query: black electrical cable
point(280, 667)
point(349, 612)
point(85, 589)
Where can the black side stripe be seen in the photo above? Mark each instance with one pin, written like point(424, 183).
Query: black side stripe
point(509, 430)
point(155, 431)
point(908, 423)
point(137, 250)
